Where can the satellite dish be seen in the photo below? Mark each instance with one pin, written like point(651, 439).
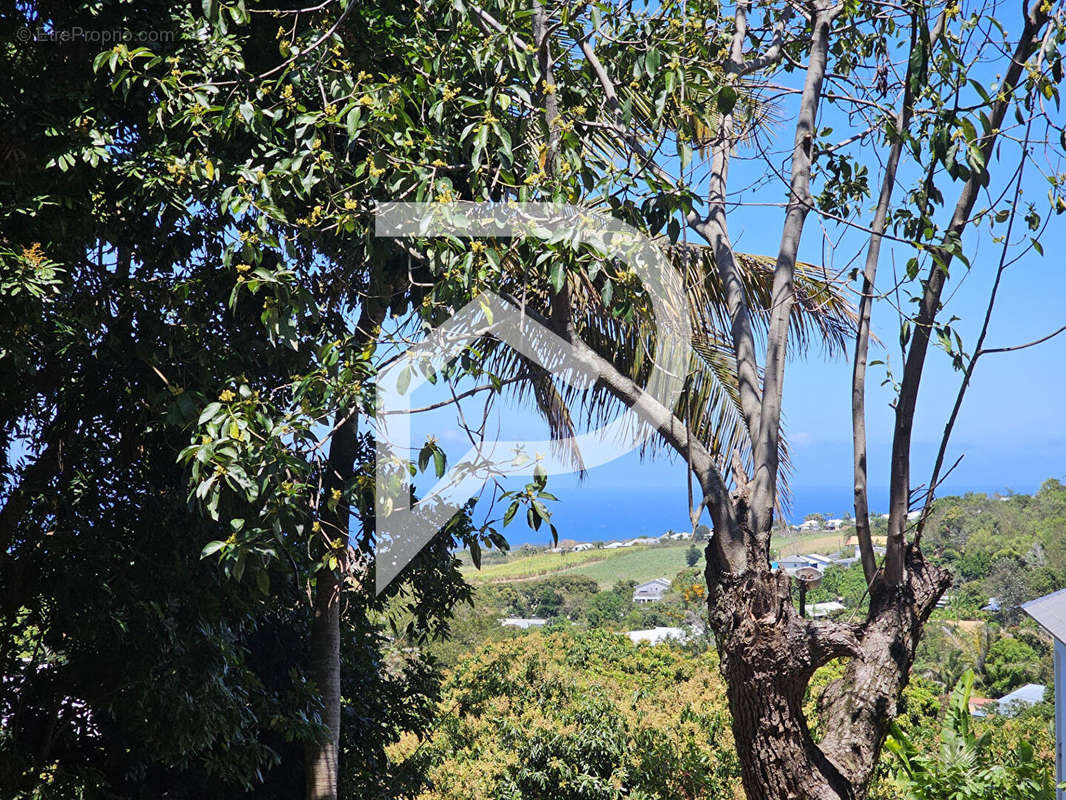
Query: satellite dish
point(811, 576)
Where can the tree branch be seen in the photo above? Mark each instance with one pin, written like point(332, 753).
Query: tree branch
point(715, 230)
point(767, 454)
point(914, 365)
point(862, 336)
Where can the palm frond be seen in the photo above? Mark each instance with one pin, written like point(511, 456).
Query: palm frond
point(709, 403)
point(822, 313)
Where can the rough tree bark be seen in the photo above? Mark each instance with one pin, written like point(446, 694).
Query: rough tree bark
point(768, 654)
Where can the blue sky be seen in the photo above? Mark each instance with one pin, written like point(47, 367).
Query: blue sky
point(1010, 430)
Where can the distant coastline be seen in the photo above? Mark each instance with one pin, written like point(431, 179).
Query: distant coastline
point(589, 514)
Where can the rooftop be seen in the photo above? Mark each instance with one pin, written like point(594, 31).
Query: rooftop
point(523, 622)
point(1028, 695)
point(1050, 613)
point(657, 635)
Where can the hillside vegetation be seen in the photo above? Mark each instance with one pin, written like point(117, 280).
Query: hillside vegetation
point(586, 715)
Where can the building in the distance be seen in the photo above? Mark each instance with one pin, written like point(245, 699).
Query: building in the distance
point(652, 591)
point(523, 622)
point(1020, 699)
point(657, 635)
point(819, 610)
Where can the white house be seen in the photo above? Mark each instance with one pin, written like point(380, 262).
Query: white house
point(792, 563)
point(818, 560)
point(1050, 613)
point(616, 545)
point(834, 524)
point(651, 592)
point(580, 548)
point(523, 623)
point(675, 536)
point(657, 635)
point(818, 610)
point(810, 525)
point(642, 541)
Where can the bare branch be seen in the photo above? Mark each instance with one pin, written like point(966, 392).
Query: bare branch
point(1013, 348)
point(862, 338)
point(767, 445)
point(914, 365)
point(715, 230)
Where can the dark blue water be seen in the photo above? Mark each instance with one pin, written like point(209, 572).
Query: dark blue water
point(600, 514)
point(596, 514)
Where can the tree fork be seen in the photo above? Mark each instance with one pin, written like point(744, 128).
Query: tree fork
point(763, 642)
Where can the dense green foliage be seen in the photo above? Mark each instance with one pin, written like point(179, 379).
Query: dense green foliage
point(1011, 548)
point(587, 715)
point(581, 716)
point(132, 667)
point(966, 767)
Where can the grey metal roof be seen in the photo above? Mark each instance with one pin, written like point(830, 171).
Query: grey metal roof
point(663, 583)
point(1050, 613)
point(1030, 694)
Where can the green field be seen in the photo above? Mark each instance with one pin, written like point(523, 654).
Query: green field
point(826, 542)
point(522, 567)
point(639, 564)
point(604, 566)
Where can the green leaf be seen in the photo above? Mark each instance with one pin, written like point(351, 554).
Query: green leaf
point(651, 61)
point(542, 510)
point(726, 100)
point(685, 154)
point(479, 146)
point(209, 413)
point(211, 547)
point(509, 514)
point(558, 275)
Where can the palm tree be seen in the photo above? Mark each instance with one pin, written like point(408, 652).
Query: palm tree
point(709, 402)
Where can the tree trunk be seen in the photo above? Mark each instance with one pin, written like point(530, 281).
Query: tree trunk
point(768, 655)
point(857, 710)
point(322, 755)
